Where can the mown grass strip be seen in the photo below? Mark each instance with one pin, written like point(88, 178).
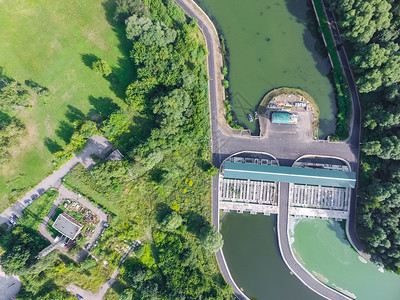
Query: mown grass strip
point(342, 90)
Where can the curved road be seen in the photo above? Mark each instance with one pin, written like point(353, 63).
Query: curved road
point(354, 138)
point(284, 149)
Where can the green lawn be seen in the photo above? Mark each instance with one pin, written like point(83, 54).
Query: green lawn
point(38, 210)
point(51, 43)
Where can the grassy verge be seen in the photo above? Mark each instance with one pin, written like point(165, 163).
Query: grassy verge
point(262, 107)
point(35, 213)
point(342, 90)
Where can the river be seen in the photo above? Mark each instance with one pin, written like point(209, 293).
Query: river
point(253, 258)
point(270, 45)
point(321, 246)
point(274, 43)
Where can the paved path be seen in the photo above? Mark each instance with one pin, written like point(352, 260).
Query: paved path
point(88, 295)
point(97, 145)
point(287, 254)
point(225, 142)
point(354, 138)
point(9, 286)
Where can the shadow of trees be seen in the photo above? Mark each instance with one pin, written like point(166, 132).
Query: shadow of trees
point(65, 131)
point(122, 75)
point(74, 114)
point(88, 59)
point(103, 107)
point(101, 110)
point(125, 70)
point(52, 145)
point(339, 229)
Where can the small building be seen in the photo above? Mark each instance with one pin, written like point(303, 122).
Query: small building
point(67, 226)
point(282, 117)
point(115, 155)
point(306, 176)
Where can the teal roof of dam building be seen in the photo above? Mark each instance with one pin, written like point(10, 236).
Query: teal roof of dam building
point(323, 177)
point(280, 117)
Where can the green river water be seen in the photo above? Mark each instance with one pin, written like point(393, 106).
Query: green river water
point(272, 43)
point(251, 252)
point(321, 246)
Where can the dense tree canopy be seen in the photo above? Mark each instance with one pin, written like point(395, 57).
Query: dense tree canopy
point(372, 32)
point(159, 193)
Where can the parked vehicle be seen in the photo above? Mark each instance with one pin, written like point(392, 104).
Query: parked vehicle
point(34, 196)
point(13, 219)
point(28, 202)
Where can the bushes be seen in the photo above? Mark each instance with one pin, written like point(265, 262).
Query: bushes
point(101, 66)
point(229, 116)
point(81, 181)
point(343, 99)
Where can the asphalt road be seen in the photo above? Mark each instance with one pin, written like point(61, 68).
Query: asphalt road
point(354, 138)
point(287, 254)
point(284, 148)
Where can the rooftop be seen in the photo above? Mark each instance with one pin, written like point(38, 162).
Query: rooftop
point(67, 225)
point(281, 117)
point(308, 176)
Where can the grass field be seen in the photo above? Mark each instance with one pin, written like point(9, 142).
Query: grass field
point(52, 43)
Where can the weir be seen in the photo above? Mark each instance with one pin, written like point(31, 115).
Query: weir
point(317, 187)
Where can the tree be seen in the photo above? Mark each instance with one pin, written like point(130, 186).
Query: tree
point(11, 131)
point(101, 66)
point(142, 29)
point(127, 294)
point(13, 95)
point(211, 239)
point(370, 57)
point(15, 260)
point(139, 251)
point(225, 83)
point(363, 18)
point(386, 148)
point(111, 175)
point(172, 221)
point(117, 124)
point(126, 8)
point(371, 81)
point(171, 109)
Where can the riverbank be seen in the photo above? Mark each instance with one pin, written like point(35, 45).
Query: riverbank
point(342, 91)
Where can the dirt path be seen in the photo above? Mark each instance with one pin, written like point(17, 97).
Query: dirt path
point(88, 295)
